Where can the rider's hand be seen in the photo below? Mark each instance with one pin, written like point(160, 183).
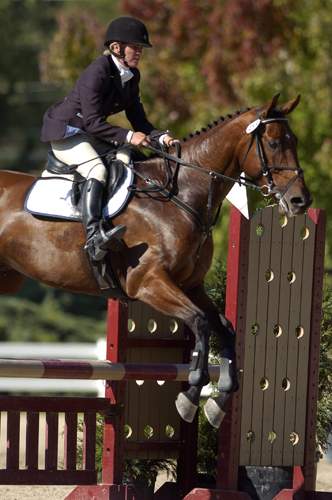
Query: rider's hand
point(169, 140)
point(140, 139)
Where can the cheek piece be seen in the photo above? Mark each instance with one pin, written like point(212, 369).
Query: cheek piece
point(121, 54)
point(254, 129)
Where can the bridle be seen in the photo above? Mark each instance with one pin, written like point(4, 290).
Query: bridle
point(168, 189)
point(255, 129)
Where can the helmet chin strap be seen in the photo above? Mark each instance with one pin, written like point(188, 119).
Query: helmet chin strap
point(121, 55)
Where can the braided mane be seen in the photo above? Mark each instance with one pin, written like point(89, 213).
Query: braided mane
point(215, 123)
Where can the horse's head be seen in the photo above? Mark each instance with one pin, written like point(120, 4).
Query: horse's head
point(268, 156)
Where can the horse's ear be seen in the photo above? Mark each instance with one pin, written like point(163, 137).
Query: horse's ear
point(290, 105)
point(270, 106)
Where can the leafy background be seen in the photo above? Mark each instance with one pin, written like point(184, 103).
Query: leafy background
point(209, 58)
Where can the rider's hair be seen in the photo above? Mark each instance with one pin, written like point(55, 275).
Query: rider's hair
point(107, 51)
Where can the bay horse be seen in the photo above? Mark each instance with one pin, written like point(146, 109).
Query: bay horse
point(168, 247)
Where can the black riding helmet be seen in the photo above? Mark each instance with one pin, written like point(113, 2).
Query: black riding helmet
point(127, 29)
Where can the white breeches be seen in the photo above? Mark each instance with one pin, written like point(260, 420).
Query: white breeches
point(82, 148)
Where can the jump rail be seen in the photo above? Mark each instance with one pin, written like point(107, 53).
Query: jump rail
point(96, 370)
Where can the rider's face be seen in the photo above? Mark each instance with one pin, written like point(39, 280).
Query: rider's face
point(133, 54)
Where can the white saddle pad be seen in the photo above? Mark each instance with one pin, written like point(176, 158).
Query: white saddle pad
point(51, 197)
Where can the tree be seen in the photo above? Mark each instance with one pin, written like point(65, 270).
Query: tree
point(25, 27)
point(207, 45)
point(304, 66)
point(225, 55)
point(23, 320)
point(76, 42)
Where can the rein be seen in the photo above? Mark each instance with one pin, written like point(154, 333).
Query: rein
point(169, 190)
point(240, 180)
point(255, 130)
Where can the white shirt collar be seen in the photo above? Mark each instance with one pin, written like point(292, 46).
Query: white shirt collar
point(125, 72)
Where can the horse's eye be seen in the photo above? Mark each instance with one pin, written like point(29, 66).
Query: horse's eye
point(274, 144)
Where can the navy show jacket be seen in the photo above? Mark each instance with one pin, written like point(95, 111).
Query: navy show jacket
point(97, 94)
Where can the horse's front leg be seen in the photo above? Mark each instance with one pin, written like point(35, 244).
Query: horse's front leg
point(187, 402)
point(159, 291)
point(214, 408)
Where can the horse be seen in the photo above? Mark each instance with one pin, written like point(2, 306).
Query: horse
point(168, 246)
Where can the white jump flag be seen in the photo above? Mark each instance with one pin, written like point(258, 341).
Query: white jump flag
point(238, 197)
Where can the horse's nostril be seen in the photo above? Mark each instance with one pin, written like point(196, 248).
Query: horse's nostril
point(298, 201)
point(301, 202)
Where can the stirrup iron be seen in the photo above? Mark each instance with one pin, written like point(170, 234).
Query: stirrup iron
point(111, 239)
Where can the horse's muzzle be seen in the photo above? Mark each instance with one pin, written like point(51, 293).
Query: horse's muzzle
point(300, 203)
point(295, 204)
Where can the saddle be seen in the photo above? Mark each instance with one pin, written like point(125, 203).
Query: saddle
point(57, 195)
point(116, 174)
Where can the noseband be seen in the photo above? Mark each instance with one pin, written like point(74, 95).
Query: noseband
point(255, 129)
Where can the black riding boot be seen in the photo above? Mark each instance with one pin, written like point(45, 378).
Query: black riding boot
point(98, 240)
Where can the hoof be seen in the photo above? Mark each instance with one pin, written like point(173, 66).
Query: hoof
point(186, 409)
point(214, 410)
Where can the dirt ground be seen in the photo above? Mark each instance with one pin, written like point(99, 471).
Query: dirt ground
point(34, 492)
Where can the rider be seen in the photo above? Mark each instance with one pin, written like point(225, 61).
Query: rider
point(78, 131)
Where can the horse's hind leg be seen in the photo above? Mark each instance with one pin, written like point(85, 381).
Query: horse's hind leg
point(10, 281)
point(157, 290)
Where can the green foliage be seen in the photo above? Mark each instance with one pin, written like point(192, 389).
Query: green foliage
point(25, 28)
point(23, 320)
point(216, 290)
point(303, 66)
point(76, 42)
point(324, 410)
point(145, 471)
point(216, 285)
point(99, 445)
point(207, 446)
point(207, 435)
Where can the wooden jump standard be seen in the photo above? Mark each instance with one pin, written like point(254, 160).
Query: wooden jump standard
point(274, 294)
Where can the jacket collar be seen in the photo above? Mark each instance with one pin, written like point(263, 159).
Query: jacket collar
point(114, 74)
point(125, 73)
